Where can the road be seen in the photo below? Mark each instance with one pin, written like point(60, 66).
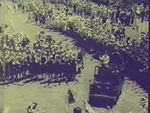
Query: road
point(53, 98)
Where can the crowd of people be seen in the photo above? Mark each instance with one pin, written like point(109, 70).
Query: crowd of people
point(90, 27)
point(106, 25)
point(19, 59)
point(103, 24)
point(112, 11)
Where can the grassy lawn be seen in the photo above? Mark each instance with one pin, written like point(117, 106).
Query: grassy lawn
point(53, 98)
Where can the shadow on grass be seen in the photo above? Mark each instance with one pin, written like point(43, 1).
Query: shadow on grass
point(96, 49)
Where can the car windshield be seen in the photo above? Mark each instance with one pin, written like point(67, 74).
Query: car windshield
point(116, 59)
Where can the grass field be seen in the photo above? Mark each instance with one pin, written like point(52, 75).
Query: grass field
point(53, 98)
point(15, 98)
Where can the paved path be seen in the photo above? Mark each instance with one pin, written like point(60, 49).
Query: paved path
point(18, 24)
point(53, 99)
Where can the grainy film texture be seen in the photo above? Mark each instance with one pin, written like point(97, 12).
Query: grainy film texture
point(74, 56)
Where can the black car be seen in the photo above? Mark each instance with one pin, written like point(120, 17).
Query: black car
point(108, 82)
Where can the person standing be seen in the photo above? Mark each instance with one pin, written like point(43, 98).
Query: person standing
point(70, 97)
point(132, 17)
point(117, 14)
point(142, 16)
point(29, 18)
point(105, 59)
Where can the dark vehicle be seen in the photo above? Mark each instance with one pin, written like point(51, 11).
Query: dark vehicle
point(108, 82)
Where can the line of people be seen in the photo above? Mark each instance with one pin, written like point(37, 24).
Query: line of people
point(99, 29)
point(46, 58)
point(129, 12)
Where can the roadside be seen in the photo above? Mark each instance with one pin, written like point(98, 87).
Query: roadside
point(52, 98)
